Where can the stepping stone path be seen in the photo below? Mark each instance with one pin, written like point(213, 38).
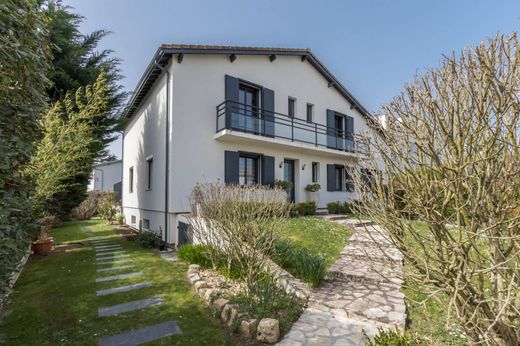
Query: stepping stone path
point(110, 252)
point(361, 292)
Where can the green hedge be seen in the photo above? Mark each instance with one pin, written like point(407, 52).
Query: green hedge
point(340, 208)
point(303, 209)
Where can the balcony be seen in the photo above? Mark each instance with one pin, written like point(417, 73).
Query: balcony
point(236, 121)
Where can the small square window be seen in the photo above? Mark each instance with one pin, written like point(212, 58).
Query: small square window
point(146, 224)
point(132, 219)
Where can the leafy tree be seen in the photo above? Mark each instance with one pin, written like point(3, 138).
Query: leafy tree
point(452, 159)
point(76, 63)
point(24, 54)
point(62, 165)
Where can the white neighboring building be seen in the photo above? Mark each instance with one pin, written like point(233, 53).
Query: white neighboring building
point(237, 115)
point(106, 176)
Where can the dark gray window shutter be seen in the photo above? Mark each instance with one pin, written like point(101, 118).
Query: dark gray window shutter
point(331, 177)
point(268, 170)
point(231, 167)
point(231, 94)
point(331, 132)
point(349, 133)
point(268, 112)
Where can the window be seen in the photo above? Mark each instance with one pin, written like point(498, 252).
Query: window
point(315, 172)
point(146, 224)
point(291, 107)
point(309, 112)
point(149, 173)
point(132, 218)
point(248, 99)
point(131, 179)
point(338, 125)
point(247, 170)
point(349, 180)
point(338, 182)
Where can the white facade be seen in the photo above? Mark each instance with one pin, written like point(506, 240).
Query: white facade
point(197, 151)
point(105, 175)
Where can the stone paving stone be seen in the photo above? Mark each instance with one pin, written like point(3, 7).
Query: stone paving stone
point(111, 257)
point(126, 288)
point(361, 292)
point(115, 262)
point(106, 247)
point(114, 268)
point(130, 306)
point(118, 277)
point(111, 252)
point(142, 335)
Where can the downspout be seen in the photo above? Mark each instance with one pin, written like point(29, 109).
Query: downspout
point(167, 160)
point(122, 167)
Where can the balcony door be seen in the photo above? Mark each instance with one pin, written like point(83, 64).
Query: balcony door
point(248, 99)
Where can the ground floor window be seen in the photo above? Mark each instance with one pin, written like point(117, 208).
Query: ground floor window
point(248, 170)
point(339, 179)
point(132, 219)
point(349, 180)
point(146, 224)
point(315, 172)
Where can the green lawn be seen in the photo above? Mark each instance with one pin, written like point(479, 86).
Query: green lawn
point(54, 301)
point(428, 317)
point(320, 236)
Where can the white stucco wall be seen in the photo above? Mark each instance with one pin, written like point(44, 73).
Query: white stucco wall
point(197, 87)
point(105, 175)
point(144, 138)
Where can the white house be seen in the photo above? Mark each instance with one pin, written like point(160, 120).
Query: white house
point(237, 115)
point(106, 176)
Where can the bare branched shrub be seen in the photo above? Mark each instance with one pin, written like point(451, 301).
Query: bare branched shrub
point(239, 222)
point(89, 207)
point(451, 158)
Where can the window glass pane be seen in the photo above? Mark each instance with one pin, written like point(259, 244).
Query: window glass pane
point(309, 113)
point(242, 171)
point(291, 108)
point(339, 179)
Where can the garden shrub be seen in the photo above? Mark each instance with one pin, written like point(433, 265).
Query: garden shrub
point(109, 206)
point(339, 208)
point(195, 254)
point(394, 337)
point(299, 261)
point(303, 209)
point(89, 207)
point(269, 301)
point(148, 239)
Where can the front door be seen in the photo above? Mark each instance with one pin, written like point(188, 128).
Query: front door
point(289, 176)
point(248, 106)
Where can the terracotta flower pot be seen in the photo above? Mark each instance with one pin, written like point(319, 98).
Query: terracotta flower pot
point(43, 247)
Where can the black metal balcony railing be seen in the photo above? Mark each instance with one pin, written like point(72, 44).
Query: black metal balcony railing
point(240, 117)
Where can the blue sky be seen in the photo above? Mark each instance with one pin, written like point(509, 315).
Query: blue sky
point(373, 47)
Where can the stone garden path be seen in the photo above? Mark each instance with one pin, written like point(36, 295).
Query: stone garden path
point(111, 257)
point(360, 293)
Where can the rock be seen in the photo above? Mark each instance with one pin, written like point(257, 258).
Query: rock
point(202, 292)
point(200, 284)
point(218, 305)
point(268, 330)
point(194, 268)
point(194, 278)
point(248, 328)
point(210, 293)
point(229, 314)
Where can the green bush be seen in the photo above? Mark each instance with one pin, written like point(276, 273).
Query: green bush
point(340, 208)
point(393, 337)
point(148, 239)
point(299, 261)
point(195, 254)
point(269, 301)
point(120, 218)
point(313, 187)
point(303, 209)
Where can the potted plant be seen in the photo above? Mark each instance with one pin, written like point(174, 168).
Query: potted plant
point(43, 245)
point(284, 185)
point(313, 189)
